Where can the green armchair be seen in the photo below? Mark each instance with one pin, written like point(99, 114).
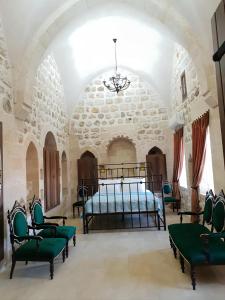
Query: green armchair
point(26, 247)
point(168, 197)
point(39, 222)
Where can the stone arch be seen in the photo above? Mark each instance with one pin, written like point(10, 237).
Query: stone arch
point(49, 29)
point(51, 172)
point(50, 141)
point(121, 150)
point(87, 154)
point(32, 171)
point(155, 150)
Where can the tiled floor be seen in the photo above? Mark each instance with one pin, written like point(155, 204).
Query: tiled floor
point(117, 266)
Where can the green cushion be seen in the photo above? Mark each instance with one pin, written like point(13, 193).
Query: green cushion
point(218, 216)
point(20, 224)
point(167, 189)
point(208, 209)
point(66, 232)
point(48, 249)
point(186, 238)
point(38, 214)
point(169, 199)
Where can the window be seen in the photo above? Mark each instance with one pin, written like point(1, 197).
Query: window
point(183, 176)
point(207, 175)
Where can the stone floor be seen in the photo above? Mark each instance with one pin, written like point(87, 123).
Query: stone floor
point(117, 266)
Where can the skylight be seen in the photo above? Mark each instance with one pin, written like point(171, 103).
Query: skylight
point(93, 49)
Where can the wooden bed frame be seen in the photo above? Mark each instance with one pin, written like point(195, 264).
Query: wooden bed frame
point(147, 218)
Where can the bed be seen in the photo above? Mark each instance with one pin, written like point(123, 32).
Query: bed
point(131, 198)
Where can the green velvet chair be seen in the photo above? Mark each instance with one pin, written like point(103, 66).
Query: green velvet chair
point(38, 221)
point(26, 247)
point(197, 244)
point(168, 197)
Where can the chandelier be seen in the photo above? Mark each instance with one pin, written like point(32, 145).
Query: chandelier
point(116, 83)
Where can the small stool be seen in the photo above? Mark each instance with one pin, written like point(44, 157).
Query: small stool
point(77, 205)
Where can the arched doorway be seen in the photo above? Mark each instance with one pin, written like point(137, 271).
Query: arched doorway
point(156, 168)
point(32, 172)
point(87, 168)
point(64, 181)
point(51, 172)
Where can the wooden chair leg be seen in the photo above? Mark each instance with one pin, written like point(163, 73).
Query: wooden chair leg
point(173, 206)
point(26, 263)
point(63, 255)
point(74, 240)
point(175, 251)
point(73, 211)
point(177, 203)
point(193, 280)
point(12, 268)
point(67, 249)
point(51, 269)
point(182, 263)
point(78, 208)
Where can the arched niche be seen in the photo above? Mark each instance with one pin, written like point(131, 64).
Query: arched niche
point(87, 154)
point(51, 172)
point(155, 150)
point(32, 172)
point(121, 150)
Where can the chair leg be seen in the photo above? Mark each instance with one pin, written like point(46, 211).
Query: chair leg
point(63, 255)
point(67, 249)
point(193, 280)
point(12, 268)
point(51, 269)
point(182, 263)
point(78, 208)
point(74, 240)
point(175, 251)
point(171, 243)
point(173, 206)
point(26, 263)
point(73, 211)
point(177, 203)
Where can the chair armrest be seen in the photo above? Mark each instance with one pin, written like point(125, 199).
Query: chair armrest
point(56, 218)
point(45, 226)
point(188, 213)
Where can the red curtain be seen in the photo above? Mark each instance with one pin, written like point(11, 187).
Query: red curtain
point(177, 161)
point(199, 130)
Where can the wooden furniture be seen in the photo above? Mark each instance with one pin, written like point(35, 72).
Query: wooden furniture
point(39, 222)
point(26, 247)
point(1, 198)
point(196, 244)
point(218, 32)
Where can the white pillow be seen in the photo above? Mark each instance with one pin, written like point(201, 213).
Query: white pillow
point(133, 185)
point(107, 186)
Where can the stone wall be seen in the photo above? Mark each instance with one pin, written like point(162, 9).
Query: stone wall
point(192, 108)
point(136, 113)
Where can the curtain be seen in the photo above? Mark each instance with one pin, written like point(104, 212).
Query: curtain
point(177, 161)
point(199, 130)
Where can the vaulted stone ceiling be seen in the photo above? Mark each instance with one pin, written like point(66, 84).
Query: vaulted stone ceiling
point(79, 34)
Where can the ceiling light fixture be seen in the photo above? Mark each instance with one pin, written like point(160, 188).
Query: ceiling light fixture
point(116, 83)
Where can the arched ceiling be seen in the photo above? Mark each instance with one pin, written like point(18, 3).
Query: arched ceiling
point(79, 33)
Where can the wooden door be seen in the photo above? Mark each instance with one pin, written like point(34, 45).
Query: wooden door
point(156, 165)
point(52, 183)
point(87, 169)
point(218, 32)
point(1, 198)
